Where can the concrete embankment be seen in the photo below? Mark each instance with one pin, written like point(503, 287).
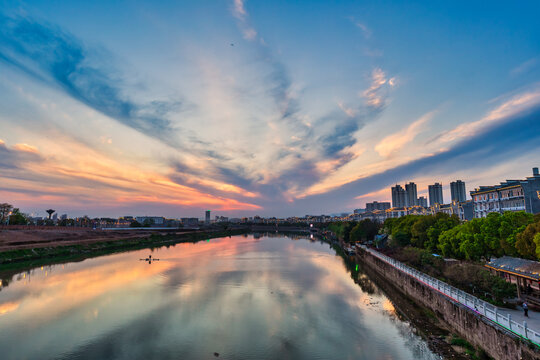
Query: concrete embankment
point(496, 341)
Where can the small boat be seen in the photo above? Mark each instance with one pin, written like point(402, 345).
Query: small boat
point(149, 259)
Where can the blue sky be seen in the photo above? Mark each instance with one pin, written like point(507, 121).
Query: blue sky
point(255, 107)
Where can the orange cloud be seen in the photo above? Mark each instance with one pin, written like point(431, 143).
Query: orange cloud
point(8, 307)
point(113, 181)
point(26, 148)
point(395, 142)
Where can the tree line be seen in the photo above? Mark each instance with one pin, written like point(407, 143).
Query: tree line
point(352, 231)
point(12, 216)
point(512, 233)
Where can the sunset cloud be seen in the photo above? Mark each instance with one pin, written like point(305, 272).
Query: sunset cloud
point(26, 148)
point(376, 94)
point(391, 144)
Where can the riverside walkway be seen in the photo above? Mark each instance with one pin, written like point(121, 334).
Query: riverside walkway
point(511, 320)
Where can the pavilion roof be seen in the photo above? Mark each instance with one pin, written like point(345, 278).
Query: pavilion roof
point(521, 267)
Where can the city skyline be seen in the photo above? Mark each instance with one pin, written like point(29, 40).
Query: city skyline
point(252, 108)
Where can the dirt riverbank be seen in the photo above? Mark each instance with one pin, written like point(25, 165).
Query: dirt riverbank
point(32, 238)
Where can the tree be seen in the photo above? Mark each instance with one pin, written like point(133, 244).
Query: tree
point(5, 209)
point(135, 224)
point(17, 218)
point(512, 223)
point(402, 230)
point(363, 231)
point(526, 244)
point(419, 230)
point(537, 242)
point(342, 229)
point(443, 222)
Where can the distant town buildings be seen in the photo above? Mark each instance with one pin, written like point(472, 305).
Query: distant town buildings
point(375, 205)
point(151, 220)
point(190, 222)
point(405, 201)
point(435, 194)
point(457, 191)
point(511, 195)
point(462, 209)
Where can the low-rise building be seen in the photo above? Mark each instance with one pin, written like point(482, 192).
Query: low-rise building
point(375, 205)
point(422, 201)
point(462, 209)
point(524, 273)
point(511, 195)
point(396, 212)
point(190, 222)
point(417, 210)
point(152, 220)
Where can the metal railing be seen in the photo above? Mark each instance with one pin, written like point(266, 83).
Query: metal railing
point(475, 304)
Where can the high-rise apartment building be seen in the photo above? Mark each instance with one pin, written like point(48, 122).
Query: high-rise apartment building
point(398, 197)
point(207, 218)
point(422, 201)
point(411, 198)
point(457, 191)
point(435, 194)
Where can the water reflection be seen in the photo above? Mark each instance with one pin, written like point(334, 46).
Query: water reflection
point(245, 297)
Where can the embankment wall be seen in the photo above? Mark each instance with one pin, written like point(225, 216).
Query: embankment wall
point(496, 341)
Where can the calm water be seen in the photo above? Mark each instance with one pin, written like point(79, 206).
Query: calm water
point(242, 297)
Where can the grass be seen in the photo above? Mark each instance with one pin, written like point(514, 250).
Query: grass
point(475, 354)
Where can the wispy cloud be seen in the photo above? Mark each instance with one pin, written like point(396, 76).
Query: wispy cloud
point(365, 30)
point(240, 13)
point(49, 54)
point(515, 105)
point(18, 156)
point(524, 67)
point(376, 94)
point(393, 143)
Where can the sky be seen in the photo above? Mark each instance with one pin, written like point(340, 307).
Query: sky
point(249, 107)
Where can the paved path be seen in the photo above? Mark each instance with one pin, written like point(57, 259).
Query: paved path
point(533, 321)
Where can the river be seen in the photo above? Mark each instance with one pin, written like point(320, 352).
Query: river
point(245, 297)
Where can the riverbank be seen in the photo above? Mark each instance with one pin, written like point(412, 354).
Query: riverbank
point(474, 327)
point(18, 259)
point(439, 337)
point(33, 237)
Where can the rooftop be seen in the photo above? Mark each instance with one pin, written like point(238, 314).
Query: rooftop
point(523, 267)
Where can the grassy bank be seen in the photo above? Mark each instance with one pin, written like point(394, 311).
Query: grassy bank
point(26, 258)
